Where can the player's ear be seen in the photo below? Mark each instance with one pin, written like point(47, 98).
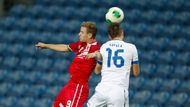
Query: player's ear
point(122, 34)
point(110, 37)
point(90, 35)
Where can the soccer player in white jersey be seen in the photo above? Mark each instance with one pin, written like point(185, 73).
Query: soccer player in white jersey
point(116, 59)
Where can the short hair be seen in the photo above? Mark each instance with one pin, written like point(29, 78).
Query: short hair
point(91, 28)
point(114, 30)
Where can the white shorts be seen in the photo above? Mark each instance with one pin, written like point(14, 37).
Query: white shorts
point(109, 96)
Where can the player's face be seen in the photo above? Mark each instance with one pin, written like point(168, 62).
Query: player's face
point(83, 35)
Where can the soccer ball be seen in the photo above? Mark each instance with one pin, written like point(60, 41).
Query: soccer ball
point(114, 15)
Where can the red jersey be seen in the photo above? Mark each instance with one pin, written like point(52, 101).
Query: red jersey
point(81, 68)
point(75, 93)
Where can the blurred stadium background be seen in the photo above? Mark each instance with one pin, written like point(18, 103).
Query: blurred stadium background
point(32, 78)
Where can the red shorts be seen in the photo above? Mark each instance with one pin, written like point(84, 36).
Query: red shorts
point(72, 95)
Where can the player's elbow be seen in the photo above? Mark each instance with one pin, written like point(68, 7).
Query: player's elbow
point(63, 48)
point(136, 73)
point(98, 69)
point(97, 72)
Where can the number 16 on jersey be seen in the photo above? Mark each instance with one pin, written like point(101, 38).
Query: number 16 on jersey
point(118, 60)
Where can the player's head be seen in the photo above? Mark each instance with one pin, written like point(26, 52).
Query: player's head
point(115, 31)
point(88, 31)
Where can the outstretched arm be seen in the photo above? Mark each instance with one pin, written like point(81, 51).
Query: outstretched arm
point(56, 47)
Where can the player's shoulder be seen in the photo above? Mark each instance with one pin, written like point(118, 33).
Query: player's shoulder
point(79, 43)
point(98, 44)
point(130, 44)
point(105, 44)
point(95, 46)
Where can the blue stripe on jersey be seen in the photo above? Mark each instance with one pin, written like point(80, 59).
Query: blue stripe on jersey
point(135, 62)
point(99, 62)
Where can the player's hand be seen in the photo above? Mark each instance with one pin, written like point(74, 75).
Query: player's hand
point(40, 45)
point(91, 55)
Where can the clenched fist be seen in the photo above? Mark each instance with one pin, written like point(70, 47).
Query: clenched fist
point(41, 45)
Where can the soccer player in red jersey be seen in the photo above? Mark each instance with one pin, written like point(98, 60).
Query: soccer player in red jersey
point(75, 92)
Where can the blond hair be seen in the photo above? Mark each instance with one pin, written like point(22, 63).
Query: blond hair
point(91, 28)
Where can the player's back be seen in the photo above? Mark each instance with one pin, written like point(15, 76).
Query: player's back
point(117, 59)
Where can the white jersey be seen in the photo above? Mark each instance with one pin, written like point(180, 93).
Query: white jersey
point(112, 91)
point(116, 64)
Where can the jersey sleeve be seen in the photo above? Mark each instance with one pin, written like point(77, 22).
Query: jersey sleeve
point(74, 46)
point(135, 59)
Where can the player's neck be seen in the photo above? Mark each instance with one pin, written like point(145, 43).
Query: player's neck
point(91, 41)
point(117, 38)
